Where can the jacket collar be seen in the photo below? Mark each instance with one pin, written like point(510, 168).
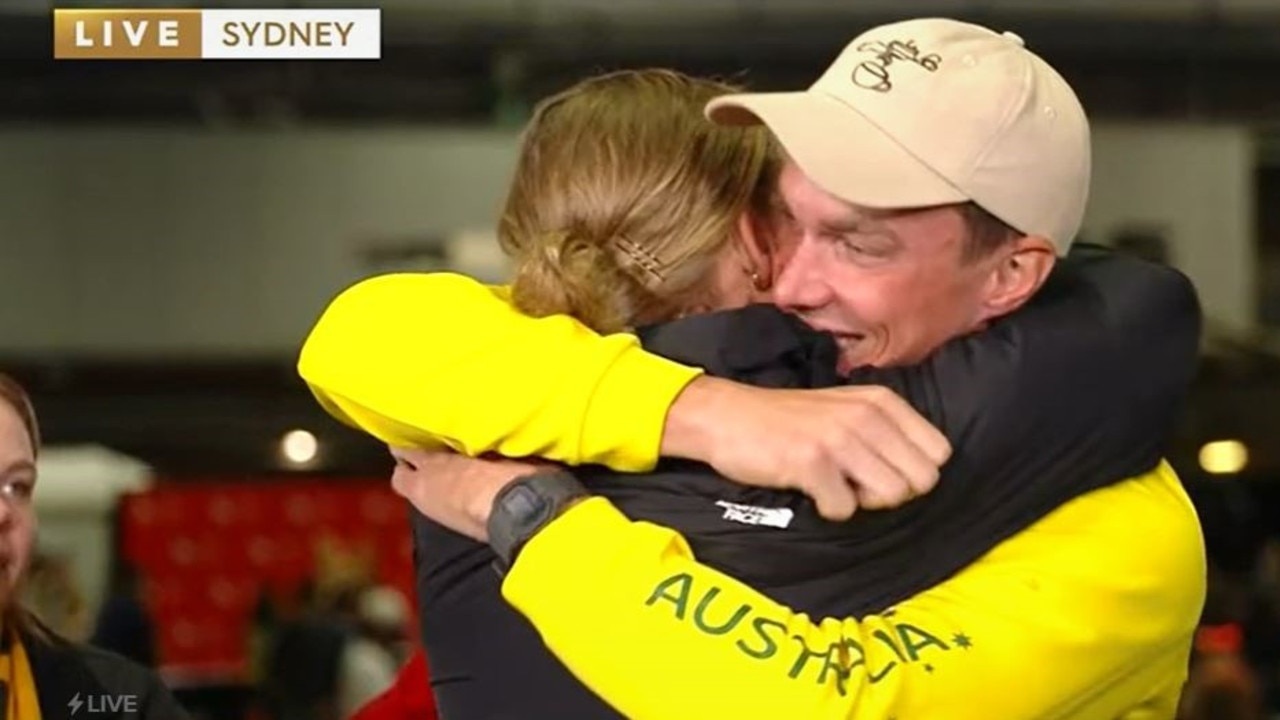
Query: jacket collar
point(60, 674)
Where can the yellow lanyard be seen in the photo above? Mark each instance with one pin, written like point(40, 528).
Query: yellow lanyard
point(17, 686)
point(8, 698)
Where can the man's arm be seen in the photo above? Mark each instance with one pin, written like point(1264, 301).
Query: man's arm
point(428, 360)
point(1087, 379)
point(1094, 370)
point(1081, 613)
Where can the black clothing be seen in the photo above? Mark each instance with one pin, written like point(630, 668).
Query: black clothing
point(72, 680)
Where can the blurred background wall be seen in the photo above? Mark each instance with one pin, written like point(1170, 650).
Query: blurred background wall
point(220, 243)
point(226, 242)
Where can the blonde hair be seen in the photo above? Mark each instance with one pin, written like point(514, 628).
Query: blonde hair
point(623, 197)
point(15, 396)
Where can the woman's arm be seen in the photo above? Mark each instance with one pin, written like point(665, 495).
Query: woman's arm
point(429, 360)
point(423, 360)
point(480, 378)
point(1079, 616)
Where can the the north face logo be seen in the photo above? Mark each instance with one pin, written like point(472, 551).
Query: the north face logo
point(753, 515)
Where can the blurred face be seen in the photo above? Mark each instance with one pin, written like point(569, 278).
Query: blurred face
point(17, 516)
point(890, 285)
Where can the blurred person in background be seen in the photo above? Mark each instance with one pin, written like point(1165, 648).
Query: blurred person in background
point(408, 698)
point(52, 593)
point(343, 606)
point(394, 405)
point(301, 680)
point(1221, 685)
point(264, 625)
point(1262, 623)
point(375, 651)
point(1244, 579)
point(42, 675)
point(124, 623)
point(260, 642)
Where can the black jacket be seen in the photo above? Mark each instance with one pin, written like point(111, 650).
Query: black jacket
point(1074, 392)
point(75, 682)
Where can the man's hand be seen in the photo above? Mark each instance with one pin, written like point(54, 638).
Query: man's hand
point(454, 490)
point(845, 447)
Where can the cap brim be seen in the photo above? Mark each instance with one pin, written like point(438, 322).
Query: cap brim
point(839, 149)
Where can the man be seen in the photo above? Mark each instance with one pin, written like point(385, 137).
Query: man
point(971, 242)
point(372, 656)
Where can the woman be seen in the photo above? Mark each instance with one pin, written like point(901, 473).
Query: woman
point(43, 675)
point(609, 223)
point(627, 237)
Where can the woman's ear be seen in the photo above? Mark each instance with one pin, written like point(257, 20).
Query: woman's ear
point(755, 248)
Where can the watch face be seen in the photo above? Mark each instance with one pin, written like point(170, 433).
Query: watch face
point(526, 506)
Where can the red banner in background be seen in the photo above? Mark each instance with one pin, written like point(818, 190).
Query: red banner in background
point(208, 550)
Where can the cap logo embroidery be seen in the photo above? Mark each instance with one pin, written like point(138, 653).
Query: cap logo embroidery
point(873, 74)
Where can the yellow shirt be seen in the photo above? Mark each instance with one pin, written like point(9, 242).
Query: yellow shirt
point(20, 699)
point(422, 360)
point(1088, 614)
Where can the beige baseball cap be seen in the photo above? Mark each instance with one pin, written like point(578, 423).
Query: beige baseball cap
point(934, 111)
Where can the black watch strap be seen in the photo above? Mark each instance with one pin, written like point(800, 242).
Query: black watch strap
point(526, 506)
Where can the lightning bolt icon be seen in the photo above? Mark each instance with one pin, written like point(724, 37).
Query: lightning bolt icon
point(75, 704)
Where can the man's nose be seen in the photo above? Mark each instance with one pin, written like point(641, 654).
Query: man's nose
point(800, 284)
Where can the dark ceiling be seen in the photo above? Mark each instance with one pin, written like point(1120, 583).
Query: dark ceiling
point(444, 67)
point(193, 420)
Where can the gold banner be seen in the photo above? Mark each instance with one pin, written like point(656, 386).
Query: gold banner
point(127, 34)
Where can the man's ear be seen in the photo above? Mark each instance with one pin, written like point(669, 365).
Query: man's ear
point(755, 247)
point(1017, 274)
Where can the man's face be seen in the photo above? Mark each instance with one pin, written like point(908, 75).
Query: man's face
point(17, 512)
point(892, 286)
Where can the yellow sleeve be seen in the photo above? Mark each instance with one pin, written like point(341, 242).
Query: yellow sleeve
point(1081, 616)
point(439, 359)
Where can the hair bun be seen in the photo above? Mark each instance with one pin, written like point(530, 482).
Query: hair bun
point(565, 274)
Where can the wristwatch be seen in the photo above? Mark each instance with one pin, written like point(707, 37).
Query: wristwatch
point(524, 507)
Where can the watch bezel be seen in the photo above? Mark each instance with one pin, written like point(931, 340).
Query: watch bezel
point(510, 527)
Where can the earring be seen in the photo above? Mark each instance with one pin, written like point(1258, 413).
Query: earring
point(757, 282)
